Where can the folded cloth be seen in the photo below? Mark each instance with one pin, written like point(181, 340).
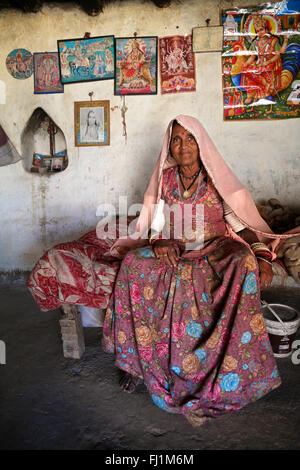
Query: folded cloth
point(8, 153)
point(290, 252)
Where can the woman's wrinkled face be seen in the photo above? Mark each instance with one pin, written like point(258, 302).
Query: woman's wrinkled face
point(183, 146)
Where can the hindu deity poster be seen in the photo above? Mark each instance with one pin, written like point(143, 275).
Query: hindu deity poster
point(82, 60)
point(261, 61)
point(46, 73)
point(136, 66)
point(177, 64)
point(19, 63)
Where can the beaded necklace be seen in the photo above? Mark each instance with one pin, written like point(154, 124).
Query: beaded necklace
point(193, 178)
point(199, 186)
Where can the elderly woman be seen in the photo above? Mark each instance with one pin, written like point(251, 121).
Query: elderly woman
point(185, 317)
point(183, 308)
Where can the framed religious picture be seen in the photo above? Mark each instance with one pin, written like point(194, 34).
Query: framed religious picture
point(57, 163)
point(177, 64)
point(46, 73)
point(261, 61)
point(92, 126)
point(83, 60)
point(46, 162)
point(136, 66)
point(19, 63)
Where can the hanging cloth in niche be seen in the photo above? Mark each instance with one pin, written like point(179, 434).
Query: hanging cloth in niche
point(8, 153)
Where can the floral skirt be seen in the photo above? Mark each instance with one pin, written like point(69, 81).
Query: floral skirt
point(193, 333)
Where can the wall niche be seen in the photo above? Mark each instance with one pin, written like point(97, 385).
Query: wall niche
point(43, 144)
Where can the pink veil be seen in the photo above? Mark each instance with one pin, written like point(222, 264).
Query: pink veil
point(233, 192)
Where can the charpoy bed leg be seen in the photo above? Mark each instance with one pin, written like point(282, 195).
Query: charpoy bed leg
point(72, 332)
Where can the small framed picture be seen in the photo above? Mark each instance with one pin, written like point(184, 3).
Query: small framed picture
point(91, 123)
point(19, 63)
point(136, 66)
point(46, 162)
point(57, 163)
point(46, 73)
point(37, 160)
point(83, 60)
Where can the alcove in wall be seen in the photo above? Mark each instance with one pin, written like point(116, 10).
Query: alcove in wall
point(43, 145)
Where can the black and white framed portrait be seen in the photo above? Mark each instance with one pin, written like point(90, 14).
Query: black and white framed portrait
point(91, 122)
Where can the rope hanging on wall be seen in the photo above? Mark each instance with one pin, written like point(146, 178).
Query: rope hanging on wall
point(123, 112)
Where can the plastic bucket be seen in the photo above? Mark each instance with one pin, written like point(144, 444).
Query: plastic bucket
point(90, 316)
point(282, 323)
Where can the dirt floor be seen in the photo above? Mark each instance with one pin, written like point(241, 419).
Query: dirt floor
point(50, 402)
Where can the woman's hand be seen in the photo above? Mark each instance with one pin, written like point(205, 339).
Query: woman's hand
point(122, 251)
point(266, 273)
point(119, 250)
point(166, 252)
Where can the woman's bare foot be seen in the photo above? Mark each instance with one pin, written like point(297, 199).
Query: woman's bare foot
point(128, 383)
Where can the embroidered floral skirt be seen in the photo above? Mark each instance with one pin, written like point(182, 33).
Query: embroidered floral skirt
point(195, 333)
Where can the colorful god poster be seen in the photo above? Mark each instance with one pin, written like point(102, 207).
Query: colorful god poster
point(19, 63)
point(261, 61)
point(177, 64)
point(136, 66)
point(83, 60)
point(46, 73)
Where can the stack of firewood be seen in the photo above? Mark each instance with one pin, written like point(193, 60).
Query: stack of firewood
point(278, 217)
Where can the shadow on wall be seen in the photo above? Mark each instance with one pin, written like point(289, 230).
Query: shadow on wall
point(43, 145)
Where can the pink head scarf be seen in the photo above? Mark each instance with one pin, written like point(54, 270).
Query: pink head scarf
point(233, 192)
